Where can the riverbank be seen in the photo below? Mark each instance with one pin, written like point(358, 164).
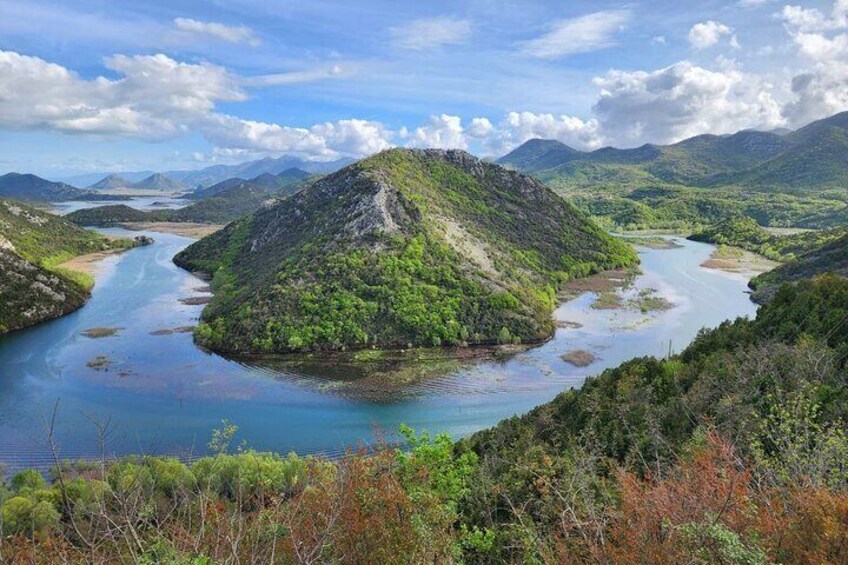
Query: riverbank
point(738, 261)
point(184, 229)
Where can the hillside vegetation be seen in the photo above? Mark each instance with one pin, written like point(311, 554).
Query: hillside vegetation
point(831, 257)
point(403, 248)
point(33, 245)
point(733, 451)
point(746, 233)
point(797, 179)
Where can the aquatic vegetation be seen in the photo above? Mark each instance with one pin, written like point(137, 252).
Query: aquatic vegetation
point(578, 358)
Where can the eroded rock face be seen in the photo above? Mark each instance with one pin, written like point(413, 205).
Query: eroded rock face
point(30, 294)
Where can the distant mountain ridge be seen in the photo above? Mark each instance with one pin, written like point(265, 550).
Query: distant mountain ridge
point(111, 182)
point(32, 188)
point(810, 158)
point(216, 173)
point(267, 181)
point(158, 181)
point(218, 204)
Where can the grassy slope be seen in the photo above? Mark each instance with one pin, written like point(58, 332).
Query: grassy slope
point(304, 274)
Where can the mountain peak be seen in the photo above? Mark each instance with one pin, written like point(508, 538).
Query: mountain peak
point(159, 181)
point(539, 154)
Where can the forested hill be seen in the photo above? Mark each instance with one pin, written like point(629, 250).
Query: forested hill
point(420, 247)
point(223, 206)
point(32, 188)
point(733, 451)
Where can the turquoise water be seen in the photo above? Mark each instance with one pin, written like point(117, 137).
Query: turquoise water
point(162, 394)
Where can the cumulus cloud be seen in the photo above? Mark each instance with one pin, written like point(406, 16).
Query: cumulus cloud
point(480, 128)
point(518, 127)
point(428, 33)
point(681, 101)
point(578, 35)
point(444, 132)
point(706, 34)
point(822, 88)
point(230, 34)
point(158, 98)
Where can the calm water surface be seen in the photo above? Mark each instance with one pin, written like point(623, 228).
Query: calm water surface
point(165, 395)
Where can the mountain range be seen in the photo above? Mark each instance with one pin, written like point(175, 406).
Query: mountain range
point(797, 178)
point(32, 188)
point(218, 204)
point(216, 173)
point(811, 158)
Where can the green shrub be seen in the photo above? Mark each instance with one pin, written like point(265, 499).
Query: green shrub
point(28, 481)
point(249, 475)
point(21, 515)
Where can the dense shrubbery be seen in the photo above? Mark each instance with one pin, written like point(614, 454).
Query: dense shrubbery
point(734, 451)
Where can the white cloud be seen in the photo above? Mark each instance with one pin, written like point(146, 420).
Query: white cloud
point(753, 3)
point(811, 19)
point(298, 77)
point(822, 88)
point(518, 127)
point(330, 140)
point(158, 98)
point(659, 40)
point(480, 128)
point(578, 35)
point(230, 34)
point(429, 33)
point(681, 101)
point(444, 132)
point(706, 34)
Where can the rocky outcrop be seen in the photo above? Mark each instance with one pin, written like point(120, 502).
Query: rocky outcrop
point(30, 294)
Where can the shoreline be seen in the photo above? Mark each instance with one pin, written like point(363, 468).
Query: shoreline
point(738, 261)
point(90, 263)
point(184, 229)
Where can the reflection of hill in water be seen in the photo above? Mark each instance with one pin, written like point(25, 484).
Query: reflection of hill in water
point(377, 375)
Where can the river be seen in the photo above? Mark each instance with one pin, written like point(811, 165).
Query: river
point(162, 394)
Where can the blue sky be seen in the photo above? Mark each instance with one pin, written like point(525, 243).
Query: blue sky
point(99, 86)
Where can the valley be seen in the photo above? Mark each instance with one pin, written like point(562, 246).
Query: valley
point(163, 393)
